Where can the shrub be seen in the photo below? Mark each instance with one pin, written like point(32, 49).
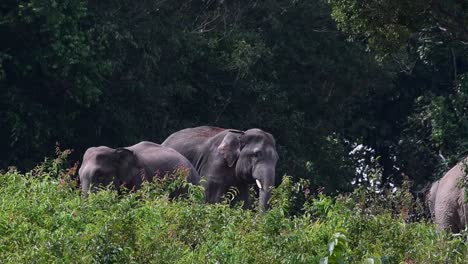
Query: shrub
point(44, 221)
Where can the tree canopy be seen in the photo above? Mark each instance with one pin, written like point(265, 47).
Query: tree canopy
point(322, 77)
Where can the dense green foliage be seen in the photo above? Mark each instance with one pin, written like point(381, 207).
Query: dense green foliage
point(113, 73)
point(116, 72)
point(424, 44)
point(366, 92)
point(44, 220)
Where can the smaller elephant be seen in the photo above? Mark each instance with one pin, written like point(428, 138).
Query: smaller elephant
point(130, 166)
point(446, 200)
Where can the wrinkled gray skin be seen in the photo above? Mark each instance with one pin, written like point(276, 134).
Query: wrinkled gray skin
point(129, 167)
point(431, 198)
point(446, 200)
point(228, 158)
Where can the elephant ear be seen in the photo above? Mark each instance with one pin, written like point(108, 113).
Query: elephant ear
point(125, 161)
point(125, 156)
point(230, 147)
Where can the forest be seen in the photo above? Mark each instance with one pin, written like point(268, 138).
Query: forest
point(367, 101)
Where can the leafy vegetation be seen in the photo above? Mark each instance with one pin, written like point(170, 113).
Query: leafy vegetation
point(364, 95)
point(115, 72)
point(44, 220)
point(422, 44)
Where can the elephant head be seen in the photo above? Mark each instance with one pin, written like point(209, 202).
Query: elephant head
point(103, 166)
point(254, 155)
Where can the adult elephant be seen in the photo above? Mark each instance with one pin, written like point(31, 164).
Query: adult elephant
point(227, 158)
point(130, 166)
point(446, 200)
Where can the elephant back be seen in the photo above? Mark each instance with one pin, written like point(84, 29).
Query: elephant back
point(159, 161)
point(190, 141)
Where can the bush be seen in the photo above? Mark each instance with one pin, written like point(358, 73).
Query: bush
point(43, 220)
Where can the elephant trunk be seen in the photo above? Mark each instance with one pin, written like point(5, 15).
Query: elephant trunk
point(85, 184)
point(263, 200)
point(265, 179)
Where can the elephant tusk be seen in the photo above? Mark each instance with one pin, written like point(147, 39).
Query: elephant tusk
point(258, 184)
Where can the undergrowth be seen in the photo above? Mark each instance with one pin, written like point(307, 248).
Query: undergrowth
point(43, 219)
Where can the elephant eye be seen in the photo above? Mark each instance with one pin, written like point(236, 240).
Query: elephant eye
point(258, 153)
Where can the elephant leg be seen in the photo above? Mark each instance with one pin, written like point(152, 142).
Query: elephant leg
point(464, 215)
point(213, 192)
point(446, 216)
point(462, 212)
point(243, 196)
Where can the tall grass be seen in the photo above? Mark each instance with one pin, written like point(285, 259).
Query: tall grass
point(44, 220)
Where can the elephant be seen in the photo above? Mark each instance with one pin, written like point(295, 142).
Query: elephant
point(130, 166)
point(446, 200)
point(431, 198)
point(227, 158)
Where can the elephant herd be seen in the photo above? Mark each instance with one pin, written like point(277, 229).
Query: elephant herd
point(227, 158)
point(223, 158)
